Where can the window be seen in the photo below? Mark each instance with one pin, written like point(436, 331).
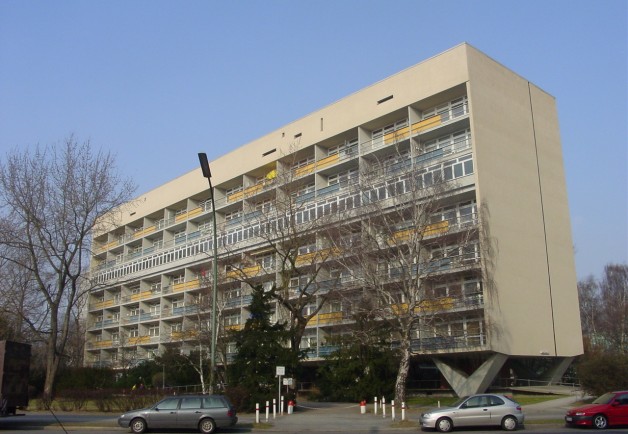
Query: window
point(303, 162)
point(213, 402)
point(155, 309)
point(176, 328)
point(342, 177)
point(190, 403)
point(153, 330)
point(177, 303)
point(234, 190)
point(134, 333)
point(303, 190)
point(265, 206)
point(231, 320)
point(177, 279)
point(234, 215)
point(169, 404)
point(134, 311)
point(379, 136)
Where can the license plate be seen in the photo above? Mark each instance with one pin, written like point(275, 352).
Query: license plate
point(568, 419)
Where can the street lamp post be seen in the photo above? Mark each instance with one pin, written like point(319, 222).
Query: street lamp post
point(202, 158)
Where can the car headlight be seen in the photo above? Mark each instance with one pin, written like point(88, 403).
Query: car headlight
point(427, 415)
point(580, 413)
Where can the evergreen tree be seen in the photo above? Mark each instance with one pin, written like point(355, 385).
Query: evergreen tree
point(260, 349)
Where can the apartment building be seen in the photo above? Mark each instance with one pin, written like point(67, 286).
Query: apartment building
point(458, 117)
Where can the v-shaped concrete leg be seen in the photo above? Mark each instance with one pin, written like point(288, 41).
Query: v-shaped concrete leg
point(477, 382)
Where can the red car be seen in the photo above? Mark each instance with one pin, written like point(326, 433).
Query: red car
point(609, 409)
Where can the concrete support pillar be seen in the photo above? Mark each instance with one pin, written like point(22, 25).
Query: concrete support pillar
point(478, 381)
point(556, 371)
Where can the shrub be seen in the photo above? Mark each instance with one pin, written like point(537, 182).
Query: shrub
point(603, 372)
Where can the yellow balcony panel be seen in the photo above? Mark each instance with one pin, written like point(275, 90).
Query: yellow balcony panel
point(327, 161)
point(235, 196)
point(331, 317)
point(196, 211)
point(436, 305)
point(305, 170)
point(102, 344)
point(139, 340)
point(244, 272)
point(178, 287)
point(309, 258)
point(234, 327)
point(436, 228)
point(400, 308)
point(426, 124)
point(181, 217)
point(400, 134)
point(140, 296)
point(254, 189)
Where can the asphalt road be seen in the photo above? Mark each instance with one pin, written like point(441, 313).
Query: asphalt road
point(311, 418)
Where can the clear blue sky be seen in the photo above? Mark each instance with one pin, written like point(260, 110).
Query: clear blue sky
point(158, 81)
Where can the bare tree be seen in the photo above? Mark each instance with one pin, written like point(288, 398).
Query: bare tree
point(613, 318)
point(413, 236)
point(52, 199)
point(296, 248)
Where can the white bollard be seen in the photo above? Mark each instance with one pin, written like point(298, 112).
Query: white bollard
point(257, 412)
point(281, 406)
point(392, 411)
point(274, 408)
point(403, 411)
point(375, 406)
point(383, 406)
point(267, 411)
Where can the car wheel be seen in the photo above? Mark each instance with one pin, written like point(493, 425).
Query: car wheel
point(444, 425)
point(509, 423)
point(138, 425)
point(207, 426)
point(600, 421)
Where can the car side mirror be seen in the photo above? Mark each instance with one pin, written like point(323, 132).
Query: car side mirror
point(615, 403)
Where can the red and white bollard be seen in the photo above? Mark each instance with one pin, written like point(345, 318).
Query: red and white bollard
point(363, 407)
point(267, 410)
point(403, 411)
point(392, 409)
point(290, 406)
point(375, 406)
point(384, 407)
point(257, 412)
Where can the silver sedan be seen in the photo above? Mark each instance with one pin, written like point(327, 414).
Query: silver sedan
point(476, 410)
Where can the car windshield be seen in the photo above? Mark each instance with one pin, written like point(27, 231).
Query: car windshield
point(460, 401)
point(604, 399)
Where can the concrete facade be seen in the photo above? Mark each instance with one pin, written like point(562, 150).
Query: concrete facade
point(460, 103)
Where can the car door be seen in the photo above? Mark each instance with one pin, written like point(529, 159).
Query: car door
point(190, 412)
point(498, 409)
point(473, 412)
point(217, 409)
point(164, 414)
point(618, 410)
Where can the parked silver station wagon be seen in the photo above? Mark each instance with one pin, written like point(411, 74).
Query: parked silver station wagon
point(202, 412)
point(477, 410)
